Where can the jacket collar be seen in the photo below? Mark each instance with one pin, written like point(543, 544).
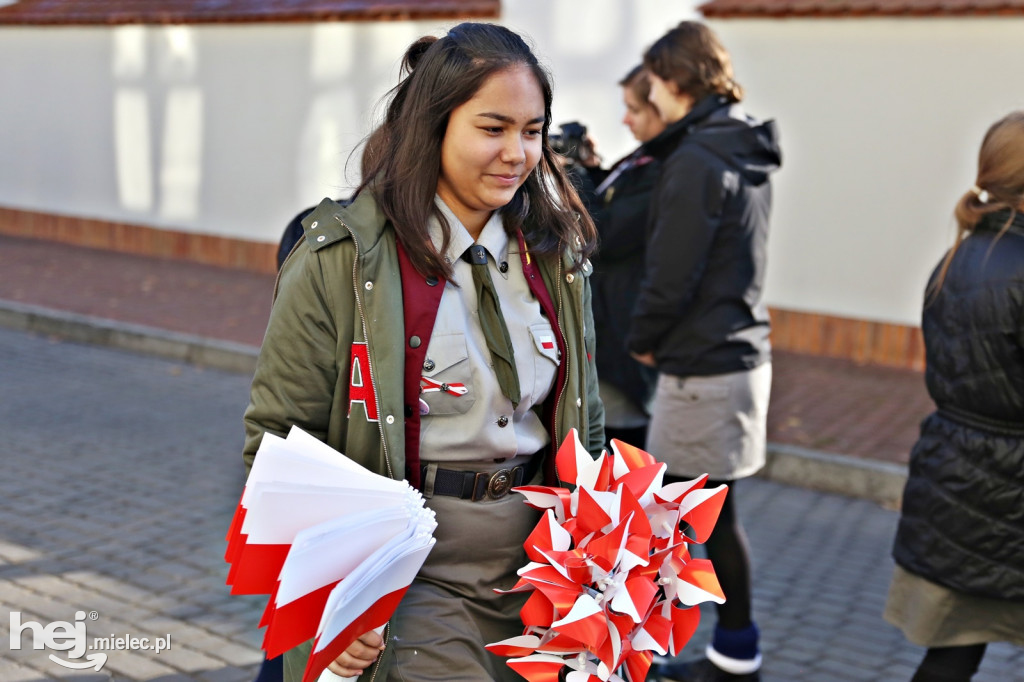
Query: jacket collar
point(663, 145)
point(994, 222)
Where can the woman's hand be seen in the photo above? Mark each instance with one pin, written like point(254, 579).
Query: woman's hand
point(359, 656)
point(644, 359)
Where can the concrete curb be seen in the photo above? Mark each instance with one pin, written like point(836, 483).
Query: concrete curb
point(880, 482)
point(196, 350)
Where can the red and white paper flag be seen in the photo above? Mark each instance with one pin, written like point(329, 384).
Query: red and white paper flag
point(330, 542)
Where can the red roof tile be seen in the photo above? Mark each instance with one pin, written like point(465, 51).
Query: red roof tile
point(76, 12)
point(722, 9)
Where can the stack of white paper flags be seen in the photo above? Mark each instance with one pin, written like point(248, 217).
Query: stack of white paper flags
point(334, 545)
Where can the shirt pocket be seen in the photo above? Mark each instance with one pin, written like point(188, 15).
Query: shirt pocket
point(545, 360)
point(446, 376)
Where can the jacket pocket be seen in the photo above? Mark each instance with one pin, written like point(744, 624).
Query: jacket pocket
point(445, 383)
point(696, 391)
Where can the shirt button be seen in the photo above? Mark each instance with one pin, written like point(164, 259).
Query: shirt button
point(579, 402)
point(503, 267)
point(313, 226)
point(321, 238)
point(569, 278)
point(390, 419)
point(428, 366)
point(431, 281)
point(369, 286)
point(414, 342)
point(502, 421)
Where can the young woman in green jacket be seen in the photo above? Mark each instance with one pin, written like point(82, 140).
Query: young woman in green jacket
point(439, 330)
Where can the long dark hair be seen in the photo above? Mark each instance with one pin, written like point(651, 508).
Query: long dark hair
point(999, 185)
point(692, 57)
point(402, 157)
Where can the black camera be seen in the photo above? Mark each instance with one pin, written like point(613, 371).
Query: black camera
point(572, 142)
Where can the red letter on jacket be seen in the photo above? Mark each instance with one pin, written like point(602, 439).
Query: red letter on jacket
point(360, 389)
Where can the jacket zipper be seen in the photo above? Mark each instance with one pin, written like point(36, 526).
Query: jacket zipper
point(561, 389)
point(366, 335)
point(376, 666)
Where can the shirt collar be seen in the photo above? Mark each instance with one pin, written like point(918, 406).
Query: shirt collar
point(493, 237)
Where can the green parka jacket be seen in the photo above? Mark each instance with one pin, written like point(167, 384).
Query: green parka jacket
point(333, 361)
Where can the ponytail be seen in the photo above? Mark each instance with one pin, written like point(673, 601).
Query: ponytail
point(999, 187)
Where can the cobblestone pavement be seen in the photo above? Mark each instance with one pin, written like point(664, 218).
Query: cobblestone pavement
point(122, 472)
point(823, 404)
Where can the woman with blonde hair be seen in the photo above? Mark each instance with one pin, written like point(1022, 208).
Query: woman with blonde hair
point(959, 549)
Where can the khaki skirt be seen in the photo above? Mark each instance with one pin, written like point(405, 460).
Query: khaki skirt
point(935, 616)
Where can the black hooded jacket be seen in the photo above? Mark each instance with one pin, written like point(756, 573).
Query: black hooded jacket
point(700, 310)
point(962, 523)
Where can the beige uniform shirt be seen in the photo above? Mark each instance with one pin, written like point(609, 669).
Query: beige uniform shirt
point(465, 415)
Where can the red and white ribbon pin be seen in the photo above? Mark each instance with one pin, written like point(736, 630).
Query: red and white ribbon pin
point(428, 385)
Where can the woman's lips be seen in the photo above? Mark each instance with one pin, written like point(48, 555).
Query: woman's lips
point(506, 180)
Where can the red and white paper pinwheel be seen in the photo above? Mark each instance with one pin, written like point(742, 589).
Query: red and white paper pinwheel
point(333, 544)
point(611, 578)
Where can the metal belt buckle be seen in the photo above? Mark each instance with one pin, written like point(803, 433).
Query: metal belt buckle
point(500, 484)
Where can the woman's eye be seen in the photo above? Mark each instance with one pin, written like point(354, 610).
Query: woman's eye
point(532, 133)
point(493, 131)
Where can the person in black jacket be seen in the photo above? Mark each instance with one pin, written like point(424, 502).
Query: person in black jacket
point(619, 210)
point(959, 549)
point(700, 318)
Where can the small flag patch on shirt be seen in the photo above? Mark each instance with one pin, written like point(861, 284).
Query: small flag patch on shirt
point(547, 342)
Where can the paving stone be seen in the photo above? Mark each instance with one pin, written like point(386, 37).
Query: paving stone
point(228, 674)
point(142, 532)
point(12, 671)
point(186, 659)
point(137, 665)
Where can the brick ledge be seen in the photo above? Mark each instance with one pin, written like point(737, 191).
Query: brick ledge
point(866, 342)
point(139, 239)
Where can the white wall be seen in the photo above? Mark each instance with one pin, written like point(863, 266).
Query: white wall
point(881, 121)
point(225, 130)
point(231, 129)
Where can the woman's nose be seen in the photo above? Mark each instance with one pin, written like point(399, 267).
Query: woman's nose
point(514, 151)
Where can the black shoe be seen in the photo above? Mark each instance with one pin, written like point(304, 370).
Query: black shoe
point(701, 670)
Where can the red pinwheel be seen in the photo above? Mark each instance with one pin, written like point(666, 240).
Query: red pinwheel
point(611, 578)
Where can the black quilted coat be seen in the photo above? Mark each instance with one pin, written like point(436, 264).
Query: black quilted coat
point(963, 507)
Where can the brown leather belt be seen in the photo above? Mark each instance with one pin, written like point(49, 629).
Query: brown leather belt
point(484, 485)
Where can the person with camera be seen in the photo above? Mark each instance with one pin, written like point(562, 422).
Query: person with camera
point(700, 318)
point(617, 199)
